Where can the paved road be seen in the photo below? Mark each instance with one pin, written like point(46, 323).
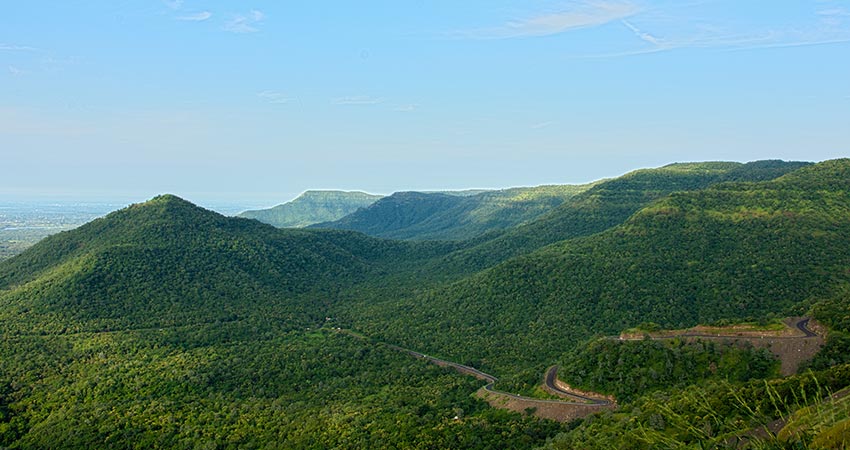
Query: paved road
point(801, 324)
point(551, 376)
point(442, 362)
point(490, 379)
point(551, 381)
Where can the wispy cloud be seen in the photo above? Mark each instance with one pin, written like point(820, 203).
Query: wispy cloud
point(678, 27)
point(358, 100)
point(197, 17)
point(646, 37)
point(581, 15)
point(541, 125)
point(16, 71)
point(274, 97)
point(17, 48)
point(725, 42)
point(245, 23)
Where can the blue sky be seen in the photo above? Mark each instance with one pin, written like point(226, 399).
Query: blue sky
point(256, 101)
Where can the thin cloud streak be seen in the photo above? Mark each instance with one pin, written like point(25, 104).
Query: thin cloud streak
point(245, 23)
point(642, 35)
point(198, 17)
point(729, 43)
point(17, 48)
point(585, 15)
point(741, 42)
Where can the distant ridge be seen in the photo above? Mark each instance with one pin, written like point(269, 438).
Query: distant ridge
point(609, 203)
point(454, 215)
point(313, 207)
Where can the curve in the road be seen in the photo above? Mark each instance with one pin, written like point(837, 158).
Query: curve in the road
point(550, 378)
point(551, 382)
point(803, 325)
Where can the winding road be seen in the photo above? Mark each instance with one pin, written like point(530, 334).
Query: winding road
point(550, 379)
point(580, 403)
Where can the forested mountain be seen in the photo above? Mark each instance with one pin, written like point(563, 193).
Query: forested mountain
point(312, 207)
point(729, 251)
point(448, 216)
point(168, 262)
point(607, 204)
point(164, 324)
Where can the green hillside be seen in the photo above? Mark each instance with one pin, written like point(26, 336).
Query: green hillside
point(607, 204)
point(630, 369)
point(807, 411)
point(804, 411)
point(167, 262)
point(730, 251)
point(312, 207)
point(246, 384)
point(448, 216)
point(167, 325)
point(395, 212)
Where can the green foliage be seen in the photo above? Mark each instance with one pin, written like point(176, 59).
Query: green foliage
point(395, 212)
point(608, 204)
point(648, 327)
point(167, 325)
point(627, 369)
point(169, 263)
point(822, 424)
point(447, 216)
point(833, 312)
point(731, 251)
point(240, 385)
point(312, 207)
point(712, 415)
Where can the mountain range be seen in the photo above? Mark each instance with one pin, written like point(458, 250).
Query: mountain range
point(164, 324)
point(446, 216)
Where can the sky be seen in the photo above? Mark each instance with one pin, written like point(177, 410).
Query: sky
point(255, 101)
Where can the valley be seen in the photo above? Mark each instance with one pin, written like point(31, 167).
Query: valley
point(165, 324)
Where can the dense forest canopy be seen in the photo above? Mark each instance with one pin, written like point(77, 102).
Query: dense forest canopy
point(164, 324)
